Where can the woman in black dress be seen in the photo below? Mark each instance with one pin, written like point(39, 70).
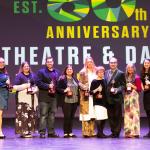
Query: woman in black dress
point(145, 77)
point(98, 90)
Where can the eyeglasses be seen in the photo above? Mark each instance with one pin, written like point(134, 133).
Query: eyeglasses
point(113, 62)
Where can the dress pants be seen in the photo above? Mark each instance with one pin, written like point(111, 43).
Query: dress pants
point(69, 110)
point(115, 117)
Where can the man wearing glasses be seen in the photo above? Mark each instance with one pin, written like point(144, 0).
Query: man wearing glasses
point(115, 87)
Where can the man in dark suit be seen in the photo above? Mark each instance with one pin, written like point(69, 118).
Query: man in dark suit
point(47, 80)
point(115, 86)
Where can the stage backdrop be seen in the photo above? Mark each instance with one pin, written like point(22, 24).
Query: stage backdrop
point(69, 30)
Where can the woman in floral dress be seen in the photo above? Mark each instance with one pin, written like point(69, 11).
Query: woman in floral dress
point(26, 101)
point(131, 103)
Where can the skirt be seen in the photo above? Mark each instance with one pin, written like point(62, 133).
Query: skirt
point(100, 112)
point(4, 98)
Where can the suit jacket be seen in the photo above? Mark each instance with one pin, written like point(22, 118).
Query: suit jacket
point(119, 82)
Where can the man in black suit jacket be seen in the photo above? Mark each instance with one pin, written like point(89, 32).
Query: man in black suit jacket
point(115, 87)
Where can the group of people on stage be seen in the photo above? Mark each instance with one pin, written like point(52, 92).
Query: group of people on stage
point(99, 93)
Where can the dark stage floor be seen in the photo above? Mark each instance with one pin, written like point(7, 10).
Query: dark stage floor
point(13, 142)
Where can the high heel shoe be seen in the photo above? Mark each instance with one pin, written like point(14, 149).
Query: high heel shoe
point(2, 136)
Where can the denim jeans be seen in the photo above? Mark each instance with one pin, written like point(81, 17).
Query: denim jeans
point(47, 116)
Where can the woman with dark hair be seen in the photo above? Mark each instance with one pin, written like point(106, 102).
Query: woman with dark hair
point(131, 103)
point(68, 89)
point(4, 94)
point(26, 88)
point(145, 77)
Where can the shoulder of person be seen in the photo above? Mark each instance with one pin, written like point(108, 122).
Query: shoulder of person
point(42, 69)
point(94, 80)
point(62, 77)
point(82, 71)
point(137, 77)
point(106, 71)
point(57, 70)
point(120, 71)
point(20, 74)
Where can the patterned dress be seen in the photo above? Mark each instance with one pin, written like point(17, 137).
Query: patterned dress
point(26, 112)
point(86, 105)
point(132, 111)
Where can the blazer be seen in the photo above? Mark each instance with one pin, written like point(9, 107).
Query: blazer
point(119, 82)
point(61, 86)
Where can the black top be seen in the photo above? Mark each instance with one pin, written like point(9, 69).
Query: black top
point(95, 84)
point(143, 78)
point(146, 96)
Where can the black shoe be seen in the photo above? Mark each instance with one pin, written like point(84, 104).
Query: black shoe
point(136, 136)
point(86, 136)
point(147, 135)
point(26, 136)
point(114, 136)
point(72, 135)
point(53, 135)
point(42, 135)
point(2, 137)
point(102, 136)
point(66, 135)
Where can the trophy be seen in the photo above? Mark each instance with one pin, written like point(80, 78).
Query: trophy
point(129, 88)
point(29, 89)
point(86, 93)
point(52, 89)
point(10, 88)
point(112, 90)
point(69, 92)
point(99, 95)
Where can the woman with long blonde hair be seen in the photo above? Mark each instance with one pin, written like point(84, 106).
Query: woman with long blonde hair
point(87, 116)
